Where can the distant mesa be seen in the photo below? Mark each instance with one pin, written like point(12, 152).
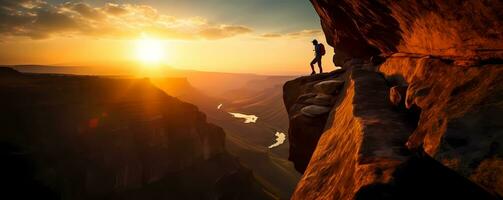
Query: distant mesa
point(8, 71)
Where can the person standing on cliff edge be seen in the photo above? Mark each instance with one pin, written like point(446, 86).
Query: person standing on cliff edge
point(319, 52)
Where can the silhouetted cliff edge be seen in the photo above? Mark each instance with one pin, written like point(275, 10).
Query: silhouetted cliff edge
point(416, 112)
point(84, 137)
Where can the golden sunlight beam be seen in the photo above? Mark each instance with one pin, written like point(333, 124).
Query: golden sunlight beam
point(149, 50)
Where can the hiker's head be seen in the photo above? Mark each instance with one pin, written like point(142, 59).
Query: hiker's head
point(315, 42)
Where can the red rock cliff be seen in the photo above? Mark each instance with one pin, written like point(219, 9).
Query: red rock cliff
point(424, 120)
point(453, 28)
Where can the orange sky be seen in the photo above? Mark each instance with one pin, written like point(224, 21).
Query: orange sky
point(85, 34)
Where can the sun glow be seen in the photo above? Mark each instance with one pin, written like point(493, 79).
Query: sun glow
point(149, 50)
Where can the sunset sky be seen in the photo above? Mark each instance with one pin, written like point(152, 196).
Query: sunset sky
point(252, 36)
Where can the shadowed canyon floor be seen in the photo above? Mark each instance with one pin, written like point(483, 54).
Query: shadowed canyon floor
point(258, 114)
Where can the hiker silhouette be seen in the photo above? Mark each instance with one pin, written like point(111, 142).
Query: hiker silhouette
point(319, 52)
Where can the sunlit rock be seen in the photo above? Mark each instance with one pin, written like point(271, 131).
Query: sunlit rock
point(362, 152)
point(440, 137)
point(460, 113)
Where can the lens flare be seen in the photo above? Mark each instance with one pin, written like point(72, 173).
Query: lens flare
point(150, 50)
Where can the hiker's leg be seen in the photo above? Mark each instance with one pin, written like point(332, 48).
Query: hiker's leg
point(312, 65)
point(319, 64)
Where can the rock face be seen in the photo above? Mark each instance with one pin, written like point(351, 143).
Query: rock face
point(307, 114)
point(460, 124)
point(362, 152)
point(460, 29)
point(79, 137)
point(397, 95)
point(426, 116)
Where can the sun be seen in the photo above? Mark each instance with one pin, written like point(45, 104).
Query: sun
point(149, 50)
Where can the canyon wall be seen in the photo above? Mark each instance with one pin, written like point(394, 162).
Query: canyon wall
point(84, 137)
point(461, 30)
point(419, 114)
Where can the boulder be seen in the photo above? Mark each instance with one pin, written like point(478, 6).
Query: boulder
point(304, 97)
point(329, 87)
point(321, 100)
point(315, 110)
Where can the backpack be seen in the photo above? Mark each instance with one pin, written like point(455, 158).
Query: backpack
point(322, 49)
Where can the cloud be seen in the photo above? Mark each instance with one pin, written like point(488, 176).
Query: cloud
point(305, 33)
point(38, 19)
point(114, 9)
point(297, 34)
point(224, 31)
point(271, 35)
point(85, 10)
